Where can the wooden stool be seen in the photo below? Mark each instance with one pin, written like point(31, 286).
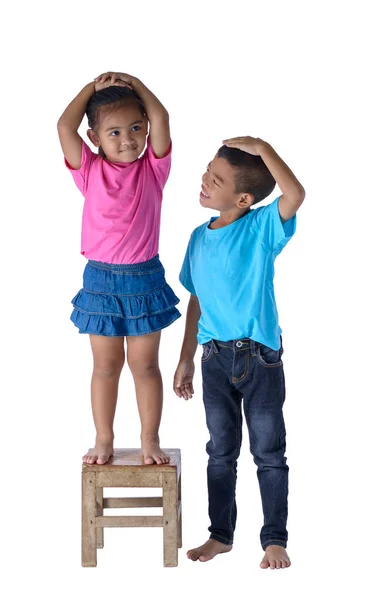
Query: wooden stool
point(126, 469)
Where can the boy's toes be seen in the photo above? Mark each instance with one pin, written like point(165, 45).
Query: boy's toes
point(275, 557)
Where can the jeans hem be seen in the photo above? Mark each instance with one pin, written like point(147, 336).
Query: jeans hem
point(274, 543)
point(223, 540)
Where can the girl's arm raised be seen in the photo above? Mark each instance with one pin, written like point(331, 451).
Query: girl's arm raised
point(159, 133)
point(68, 124)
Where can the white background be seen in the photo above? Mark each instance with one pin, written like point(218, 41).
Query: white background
point(303, 76)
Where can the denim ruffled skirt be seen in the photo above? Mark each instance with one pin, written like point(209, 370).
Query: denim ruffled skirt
point(122, 300)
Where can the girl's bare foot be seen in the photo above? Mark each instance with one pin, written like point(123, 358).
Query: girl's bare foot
point(152, 453)
point(208, 550)
point(275, 557)
point(102, 451)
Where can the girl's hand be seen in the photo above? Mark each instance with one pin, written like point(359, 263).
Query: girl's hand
point(108, 82)
point(247, 144)
point(183, 380)
point(114, 78)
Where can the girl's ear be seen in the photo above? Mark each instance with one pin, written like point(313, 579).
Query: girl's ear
point(94, 139)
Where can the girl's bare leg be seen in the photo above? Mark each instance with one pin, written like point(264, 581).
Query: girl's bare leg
point(143, 360)
point(108, 354)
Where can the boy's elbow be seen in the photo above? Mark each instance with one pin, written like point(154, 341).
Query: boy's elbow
point(300, 195)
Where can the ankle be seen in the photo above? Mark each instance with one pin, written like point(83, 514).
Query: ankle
point(105, 437)
point(149, 436)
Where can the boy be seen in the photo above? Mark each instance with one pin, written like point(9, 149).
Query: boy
point(229, 271)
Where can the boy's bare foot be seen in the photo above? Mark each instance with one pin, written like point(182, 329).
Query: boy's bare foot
point(275, 557)
point(208, 550)
point(152, 453)
point(102, 451)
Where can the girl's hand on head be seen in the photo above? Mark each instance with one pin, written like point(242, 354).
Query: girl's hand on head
point(101, 85)
point(114, 77)
point(246, 144)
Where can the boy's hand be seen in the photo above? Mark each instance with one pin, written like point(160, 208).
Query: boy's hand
point(183, 379)
point(115, 78)
point(247, 144)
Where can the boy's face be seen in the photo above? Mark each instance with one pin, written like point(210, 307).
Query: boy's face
point(121, 133)
point(218, 186)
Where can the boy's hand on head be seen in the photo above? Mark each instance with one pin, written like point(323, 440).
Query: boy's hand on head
point(114, 78)
point(183, 379)
point(247, 144)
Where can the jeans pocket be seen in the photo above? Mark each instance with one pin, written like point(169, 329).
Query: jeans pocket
point(207, 351)
point(269, 357)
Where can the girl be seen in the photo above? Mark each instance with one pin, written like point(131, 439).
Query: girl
point(124, 291)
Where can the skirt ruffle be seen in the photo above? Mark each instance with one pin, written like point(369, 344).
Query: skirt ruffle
point(107, 304)
point(117, 326)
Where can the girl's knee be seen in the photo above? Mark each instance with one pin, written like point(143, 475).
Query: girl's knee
point(144, 368)
point(108, 367)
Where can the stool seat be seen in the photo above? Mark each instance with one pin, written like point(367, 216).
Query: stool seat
point(126, 468)
point(132, 457)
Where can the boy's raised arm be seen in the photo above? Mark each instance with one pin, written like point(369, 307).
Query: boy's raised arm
point(292, 190)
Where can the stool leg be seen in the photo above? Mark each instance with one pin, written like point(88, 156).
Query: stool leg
point(89, 544)
point(170, 519)
point(179, 512)
point(99, 530)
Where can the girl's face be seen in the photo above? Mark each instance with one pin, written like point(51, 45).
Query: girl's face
point(122, 133)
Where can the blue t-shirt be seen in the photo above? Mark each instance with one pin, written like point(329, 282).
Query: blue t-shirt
point(231, 271)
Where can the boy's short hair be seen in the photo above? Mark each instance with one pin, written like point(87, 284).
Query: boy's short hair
point(251, 174)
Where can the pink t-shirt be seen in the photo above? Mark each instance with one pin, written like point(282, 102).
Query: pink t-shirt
point(121, 214)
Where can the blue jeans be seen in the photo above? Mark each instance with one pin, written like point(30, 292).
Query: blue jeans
point(235, 371)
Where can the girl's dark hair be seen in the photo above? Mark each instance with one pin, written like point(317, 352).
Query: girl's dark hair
point(112, 97)
point(251, 174)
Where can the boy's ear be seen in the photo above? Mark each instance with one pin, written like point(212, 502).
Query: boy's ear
point(245, 200)
point(94, 139)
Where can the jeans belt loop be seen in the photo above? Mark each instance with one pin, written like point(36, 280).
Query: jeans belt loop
point(215, 347)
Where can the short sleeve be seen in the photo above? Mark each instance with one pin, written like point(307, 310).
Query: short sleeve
point(81, 175)
point(160, 166)
point(274, 234)
point(186, 272)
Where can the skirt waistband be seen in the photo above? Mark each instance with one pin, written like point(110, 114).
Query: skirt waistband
point(148, 265)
